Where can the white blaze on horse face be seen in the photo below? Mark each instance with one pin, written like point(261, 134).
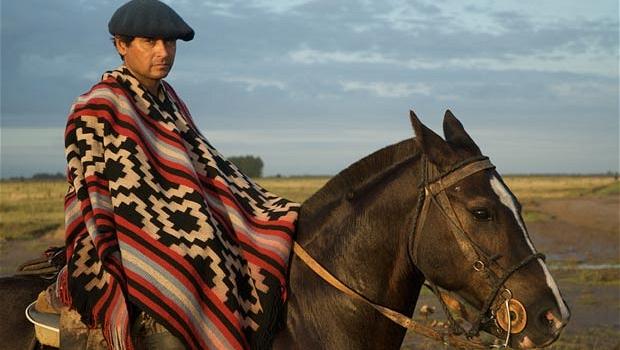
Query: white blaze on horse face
point(509, 201)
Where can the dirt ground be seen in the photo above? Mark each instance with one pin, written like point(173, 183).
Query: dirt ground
point(581, 230)
point(580, 236)
point(15, 252)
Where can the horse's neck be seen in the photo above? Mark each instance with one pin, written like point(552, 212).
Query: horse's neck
point(364, 240)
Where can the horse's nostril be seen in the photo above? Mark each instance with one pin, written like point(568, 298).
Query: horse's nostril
point(550, 320)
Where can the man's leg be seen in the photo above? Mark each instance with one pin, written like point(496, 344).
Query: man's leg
point(148, 334)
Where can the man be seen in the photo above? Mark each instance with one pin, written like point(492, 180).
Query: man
point(168, 244)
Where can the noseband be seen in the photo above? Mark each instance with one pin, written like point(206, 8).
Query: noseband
point(481, 262)
point(434, 194)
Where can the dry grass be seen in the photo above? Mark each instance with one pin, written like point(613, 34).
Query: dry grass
point(294, 188)
point(528, 188)
point(29, 209)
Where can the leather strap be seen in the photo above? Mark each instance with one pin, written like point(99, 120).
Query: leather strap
point(458, 175)
point(395, 316)
point(434, 192)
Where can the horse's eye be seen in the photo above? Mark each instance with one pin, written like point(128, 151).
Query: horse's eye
point(481, 214)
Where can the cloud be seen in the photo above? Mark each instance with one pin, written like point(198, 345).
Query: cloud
point(409, 16)
point(89, 5)
point(251, 83)
point(386, 89)
point(552, 62)
point(64, 65)
point(278, 6)
point(218, 8)
point(310, 56)
point(548, 61)
point(584, 90)
point(239, 9)
point(55, 66)
point(257, 136)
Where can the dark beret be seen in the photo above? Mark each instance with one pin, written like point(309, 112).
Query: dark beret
point(150, 19)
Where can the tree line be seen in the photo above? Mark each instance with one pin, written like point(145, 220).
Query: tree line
point(250, 165)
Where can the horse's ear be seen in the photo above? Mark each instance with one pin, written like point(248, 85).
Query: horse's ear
point(437, 150)
point(456, 135)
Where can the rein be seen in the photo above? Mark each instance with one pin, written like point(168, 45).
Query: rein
point(393, 315)
point(434, 193)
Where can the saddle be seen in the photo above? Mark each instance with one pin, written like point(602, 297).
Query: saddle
point(46, 324)
point(75, 335)
point(48, 315)
point(44, 313)
point(47, 266)
point(59, 327)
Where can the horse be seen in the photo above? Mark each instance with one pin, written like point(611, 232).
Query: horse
point(425, 210)
point(17, 293)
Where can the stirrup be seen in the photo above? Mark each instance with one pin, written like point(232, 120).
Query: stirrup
point(46, 326)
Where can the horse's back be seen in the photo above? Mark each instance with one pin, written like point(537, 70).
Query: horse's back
point(15, 294)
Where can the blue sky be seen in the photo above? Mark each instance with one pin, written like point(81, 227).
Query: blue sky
point(312, 86)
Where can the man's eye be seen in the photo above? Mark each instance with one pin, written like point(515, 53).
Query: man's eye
point(481, 214)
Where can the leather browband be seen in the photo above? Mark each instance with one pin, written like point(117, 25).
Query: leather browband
point(458, 175)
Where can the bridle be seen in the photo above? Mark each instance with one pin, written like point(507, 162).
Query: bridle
point(434, 194)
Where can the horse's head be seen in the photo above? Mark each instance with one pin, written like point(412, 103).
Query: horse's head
point(470, 239)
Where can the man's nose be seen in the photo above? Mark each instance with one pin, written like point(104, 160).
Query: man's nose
point(161, 48)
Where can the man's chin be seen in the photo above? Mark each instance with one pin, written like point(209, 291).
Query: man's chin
point(160, 72)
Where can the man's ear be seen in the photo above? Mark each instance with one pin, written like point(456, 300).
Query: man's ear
point(120, 45)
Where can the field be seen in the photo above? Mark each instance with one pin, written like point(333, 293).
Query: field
point(574, 220)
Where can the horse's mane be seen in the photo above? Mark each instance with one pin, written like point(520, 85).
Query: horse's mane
point(360, 173)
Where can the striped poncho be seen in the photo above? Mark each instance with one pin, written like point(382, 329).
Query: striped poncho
point(158, 221)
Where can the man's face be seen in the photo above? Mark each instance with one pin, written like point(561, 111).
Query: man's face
point(148, 59)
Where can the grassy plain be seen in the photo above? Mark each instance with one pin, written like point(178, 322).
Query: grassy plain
point(294, 188)
point(528, 188)
point(29, 209)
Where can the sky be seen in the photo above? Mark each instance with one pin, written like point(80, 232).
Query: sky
point(313, 86)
